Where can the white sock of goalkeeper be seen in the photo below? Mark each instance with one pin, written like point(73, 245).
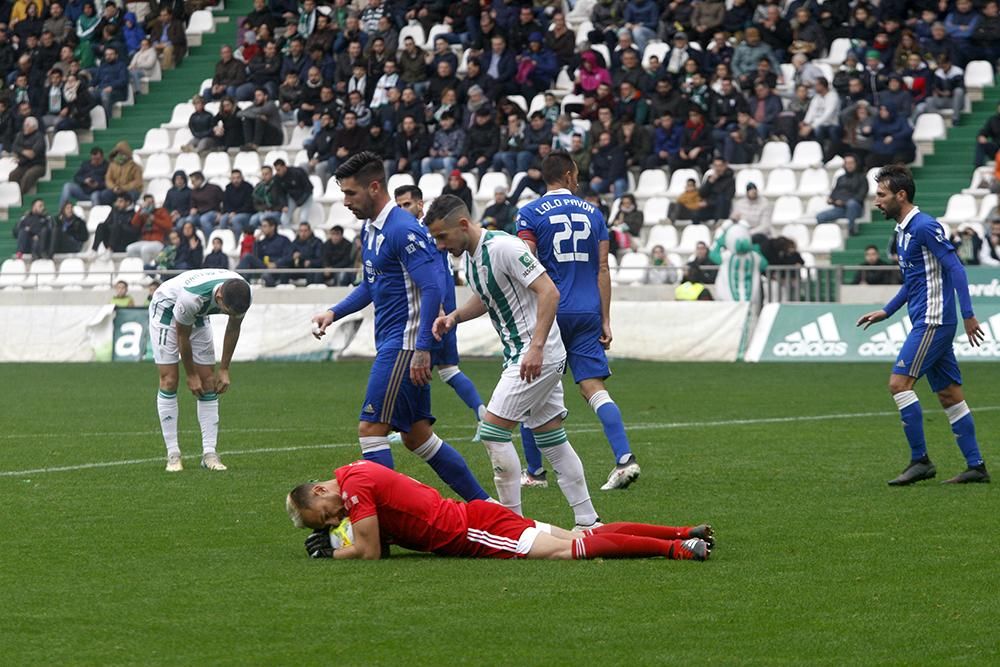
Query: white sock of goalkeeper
point(166, 406)
point(506, 465)
point(569, 471)
point(208, 418)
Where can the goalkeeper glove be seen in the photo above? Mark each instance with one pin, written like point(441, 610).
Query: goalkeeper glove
point(318, 544)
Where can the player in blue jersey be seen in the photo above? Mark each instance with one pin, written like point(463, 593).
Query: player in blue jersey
point(444, 355)
point(570, 237)
point(932, 275)
point(402, 280)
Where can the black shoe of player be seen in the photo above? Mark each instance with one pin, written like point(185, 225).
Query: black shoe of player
point(972, 475)
point(915, 472)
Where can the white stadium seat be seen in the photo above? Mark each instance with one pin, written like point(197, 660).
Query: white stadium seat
point(201, 22)
point(98, 118)
point(158, 165)
point(632, 269)
point(99, 273)
point(98, 214)
point(838, 51)
point(986, 207)
point(872, 183)
point(10, 195)
point(247, 162)
point(217, 164)
point(780, 182)
point(929, 128)
point(414, 30)
point(158, 188)
point(961, 208)
point(664, 235)
point(979, 74)
point(130, 270)
point(490, 182)
point(432, 184)
point(181, 114)
point(299, 135)
point(655, 210)
point(181, 137)
point(64, 143)
point(188, 163)
point(12, 273)
point(775, 154)
point(807, 154)
point(799, 233)
point(471, 180)
point(157, 141)
point(815, 204)
point(42, 273)
point(341, 215)
point(71, 272)
point(273, 155)
point(397, 180)
point(747, 176)
point(786, 209)
point(228, 239)
point(527, 193)
point(332, 194)
point(826, 238)
point(658, 49)
point(652, 183)
point(814, 182)
point(690, 237)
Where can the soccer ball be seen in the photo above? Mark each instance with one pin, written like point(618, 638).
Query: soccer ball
point(342, 535)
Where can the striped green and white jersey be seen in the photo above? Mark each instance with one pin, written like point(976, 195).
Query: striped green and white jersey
point(189, 297)
point(500, 271)
point(738, 277)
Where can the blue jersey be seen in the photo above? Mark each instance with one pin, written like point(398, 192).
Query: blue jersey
point(393, 246)
point(930, 291)
point(448, 288)
point(567, 232)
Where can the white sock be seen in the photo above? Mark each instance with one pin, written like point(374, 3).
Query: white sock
point(569, 472)
point(427, 450)
point(166, 406)
point(208, 417)
point(506, 466)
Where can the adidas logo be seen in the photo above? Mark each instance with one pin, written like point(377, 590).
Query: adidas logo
point(820, 338)
point(887, 343)
point(369, 409)
point(990, 347)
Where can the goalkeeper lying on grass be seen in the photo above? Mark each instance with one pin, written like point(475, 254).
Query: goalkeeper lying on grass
point(385, 506)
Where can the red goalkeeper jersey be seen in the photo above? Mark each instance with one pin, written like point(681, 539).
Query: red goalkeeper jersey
point(410, 514)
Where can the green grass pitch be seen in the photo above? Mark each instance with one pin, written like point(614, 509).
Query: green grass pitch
point(817, 562)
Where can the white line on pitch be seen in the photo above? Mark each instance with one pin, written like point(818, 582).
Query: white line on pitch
point(582, 429)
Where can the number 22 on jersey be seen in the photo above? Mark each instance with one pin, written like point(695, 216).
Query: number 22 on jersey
point(574, 236)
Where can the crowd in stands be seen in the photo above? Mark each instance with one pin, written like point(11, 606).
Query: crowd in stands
point(642, 84)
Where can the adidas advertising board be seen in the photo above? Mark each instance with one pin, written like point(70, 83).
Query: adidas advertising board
point(827, 332)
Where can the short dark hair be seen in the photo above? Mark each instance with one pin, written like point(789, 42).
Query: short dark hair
point(445, 207)
point(197, 174)
point(555, 165)
point(97, 150)
point(280, 163)
point(413, 190)
point(236, 295)
point(896, 177)
point(337, 228)
point(365, 166)
point(872, 247)
point(822, 80)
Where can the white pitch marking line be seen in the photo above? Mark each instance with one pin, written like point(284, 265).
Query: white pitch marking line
point(584, 429)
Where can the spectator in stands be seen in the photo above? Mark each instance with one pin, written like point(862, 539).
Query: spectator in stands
point(227, 130)
point(892, 140)
point(169, 38)
point(411, 146)
point(743, 143)
point(514, 156)
point(123, 177)
point(848, 197)
point(482, 141)
point(960, 24)
point(754, 211)
point(116, 232)
point(718, 189)
point(347, 140)
point(897, 97)
point(764, 109)
point(201, 123)
point(561, 40)
point(947, 90)
point(667, 137)
point(34, 232)
point(988, 139)
point(216, 259)
point(968, 244)
point(69, 232)
point(501, 213)
point(537, 66)
point(261, 122)
point(701, 265)
point(748, 54)
point(689, 205)
point(591, 74)
point(153, 226)
point(696, 143)
point(110, 83)
point(820, 121)
point(446, 147)
point(190, 251)
point(533, 177)
point(178, 198)
point(680, 52)
point(581, 155)
point(53, 100)
point(858, 130)
point(229, 75)
point(237, 204)
point(206, 204)
point(270, 251)
point(269, 200)
point(659, 272)
point(500, 67)
point(58, 23)
point(338, 253)
point(263, 71)
point(874, 277)
point(991, 252)
point(121, 298)
point(629, 219)
point(985, 41)
point(142, 64)
point(295, 184)
point(29, 151)
point(306, 253)
point(608, 173)
point(88, 180)
point(457, 186)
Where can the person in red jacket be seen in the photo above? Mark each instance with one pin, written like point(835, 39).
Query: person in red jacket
point(385, 507)
point(153, 224)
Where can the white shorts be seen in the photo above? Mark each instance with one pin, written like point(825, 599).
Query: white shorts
point(532, 403)
point(164, 341)
point(529, 536)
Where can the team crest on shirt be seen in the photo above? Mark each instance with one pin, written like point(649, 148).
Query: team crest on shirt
point(906, 241)
point(379, 240)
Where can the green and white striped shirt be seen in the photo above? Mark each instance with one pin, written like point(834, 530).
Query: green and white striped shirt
point(500, 271)
point(189, 297)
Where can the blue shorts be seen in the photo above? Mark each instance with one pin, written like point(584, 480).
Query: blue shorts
point(445, 352)
point(391, 398)
point(581, 335)
point(929, 351)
